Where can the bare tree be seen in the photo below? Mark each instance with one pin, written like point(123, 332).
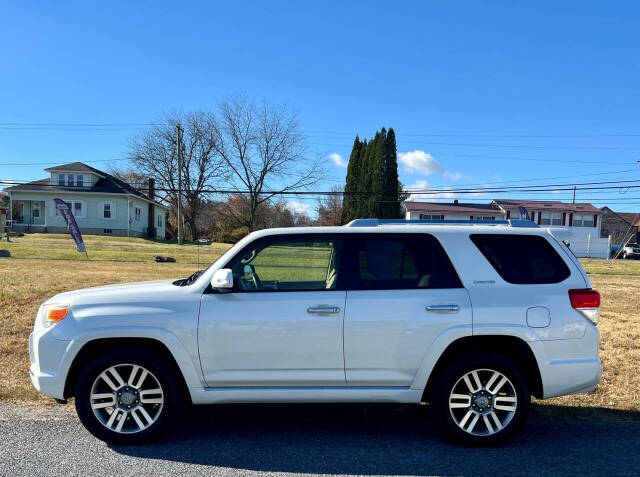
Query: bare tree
point(153, 154)
point(131, 176)
point(265, 150)
point(330, 208)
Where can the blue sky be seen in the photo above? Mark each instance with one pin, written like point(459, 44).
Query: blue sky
point(478, 92)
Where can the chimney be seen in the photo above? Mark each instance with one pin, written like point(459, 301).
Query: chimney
point(151, 193)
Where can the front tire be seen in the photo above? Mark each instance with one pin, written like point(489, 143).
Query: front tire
point(482, 399)
point(127, 396)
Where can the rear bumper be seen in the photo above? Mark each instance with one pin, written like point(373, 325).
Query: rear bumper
point(569, 366)
point(571, 376)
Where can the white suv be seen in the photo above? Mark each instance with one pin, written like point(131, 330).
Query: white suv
point(471, 318)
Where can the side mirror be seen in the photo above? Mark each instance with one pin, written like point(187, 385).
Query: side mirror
point(222, 280)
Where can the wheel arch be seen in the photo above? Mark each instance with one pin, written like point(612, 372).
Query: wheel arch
point(95, 347)
point(513, 347)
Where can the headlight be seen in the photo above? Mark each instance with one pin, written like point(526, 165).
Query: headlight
point(53, 313)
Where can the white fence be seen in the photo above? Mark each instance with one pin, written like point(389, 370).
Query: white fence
point(592, 247)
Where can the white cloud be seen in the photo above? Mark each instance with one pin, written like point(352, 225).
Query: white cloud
point(337, 159)
point(421, 162)
point(423, 185)
point(299, 207)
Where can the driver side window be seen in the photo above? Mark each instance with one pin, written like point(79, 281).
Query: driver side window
point(287, 264)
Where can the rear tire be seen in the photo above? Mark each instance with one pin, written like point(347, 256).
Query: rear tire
point(139, 387)
point(481, 399)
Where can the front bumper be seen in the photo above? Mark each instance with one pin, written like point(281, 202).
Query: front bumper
point(49, 367)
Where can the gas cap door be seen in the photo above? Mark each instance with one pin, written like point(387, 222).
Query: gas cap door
point(538, 317)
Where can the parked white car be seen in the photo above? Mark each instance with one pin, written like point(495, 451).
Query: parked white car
point(630, 250)
point(471, 318)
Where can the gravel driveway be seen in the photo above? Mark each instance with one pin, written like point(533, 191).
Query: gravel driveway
point(305, 439)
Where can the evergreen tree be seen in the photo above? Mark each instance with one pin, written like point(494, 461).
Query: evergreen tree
point(350, 203)
point(391, 191)
point(372, 188)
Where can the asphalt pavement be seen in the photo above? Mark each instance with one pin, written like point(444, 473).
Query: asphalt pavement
point(312, 439)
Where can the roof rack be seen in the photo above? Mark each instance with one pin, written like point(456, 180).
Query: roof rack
point(379, 222)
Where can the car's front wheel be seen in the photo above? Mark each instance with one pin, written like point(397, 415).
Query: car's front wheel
point(127, 397)
point(481, 400)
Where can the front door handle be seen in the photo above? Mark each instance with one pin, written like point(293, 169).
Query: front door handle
point(323, 309)
point(449, 308)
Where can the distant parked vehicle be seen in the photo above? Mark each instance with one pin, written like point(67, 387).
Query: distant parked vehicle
point(473, 318)
point(631, 250)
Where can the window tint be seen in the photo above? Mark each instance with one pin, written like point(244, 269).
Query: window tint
point(522, 259)
point(287, 264)
point(400, 262)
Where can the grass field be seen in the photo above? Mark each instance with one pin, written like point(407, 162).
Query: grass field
point(43, 267)
point(117, 249)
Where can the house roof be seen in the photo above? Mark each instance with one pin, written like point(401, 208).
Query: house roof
point(76, 167)
point(633, 218)
point(547, 205)
point(460, 207)
point(106, 184)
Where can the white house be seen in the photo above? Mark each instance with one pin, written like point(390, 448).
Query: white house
point(101, 204)
point(583, 221)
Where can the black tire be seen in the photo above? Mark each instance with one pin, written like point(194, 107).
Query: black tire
point(452, 376)
point(160, 370)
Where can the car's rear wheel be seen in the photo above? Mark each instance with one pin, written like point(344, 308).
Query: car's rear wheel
point(482, 399)
point(127, 397)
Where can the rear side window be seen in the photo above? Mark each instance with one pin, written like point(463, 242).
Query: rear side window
point(522, 259)
point(381, 262)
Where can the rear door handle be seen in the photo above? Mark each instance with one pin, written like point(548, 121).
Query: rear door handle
point(323, 309)
point(449, 308)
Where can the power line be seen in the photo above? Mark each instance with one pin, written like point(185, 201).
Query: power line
point(553, 188)
point(49, 163)
point(326, 134)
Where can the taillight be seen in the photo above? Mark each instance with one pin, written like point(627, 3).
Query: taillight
point(587, 302)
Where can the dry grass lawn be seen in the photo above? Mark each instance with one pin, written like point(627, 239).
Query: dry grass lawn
point(27, 282)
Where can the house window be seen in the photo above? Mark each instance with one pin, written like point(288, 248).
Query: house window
point(159, 220)
point(431, 217)
point(79, 180)
point(137, 213)
point(107, 231)
point(583, 220)
point(70, 179)
point(551, 218)
point(61, 179)
point(106, 210)
point(35, 213)
point(76, 208)
point(483, 217)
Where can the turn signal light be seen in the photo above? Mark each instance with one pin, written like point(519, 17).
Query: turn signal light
point(57, 314)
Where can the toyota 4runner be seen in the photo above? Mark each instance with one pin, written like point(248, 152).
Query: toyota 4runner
point(472, 318)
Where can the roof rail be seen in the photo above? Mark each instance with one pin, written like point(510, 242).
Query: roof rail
point(379, 222)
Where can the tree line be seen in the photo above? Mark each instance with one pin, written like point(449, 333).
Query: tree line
point(257, 152)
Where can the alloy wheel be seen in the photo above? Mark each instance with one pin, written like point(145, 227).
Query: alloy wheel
point(126, 398)
point(483, 402)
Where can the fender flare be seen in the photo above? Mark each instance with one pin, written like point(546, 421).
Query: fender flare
point(451, 335)
point(191, 371)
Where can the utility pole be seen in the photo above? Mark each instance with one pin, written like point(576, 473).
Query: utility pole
point(178, 153)
point(574, 194)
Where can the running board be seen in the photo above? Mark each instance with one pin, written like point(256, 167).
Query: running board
point(305, 395)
